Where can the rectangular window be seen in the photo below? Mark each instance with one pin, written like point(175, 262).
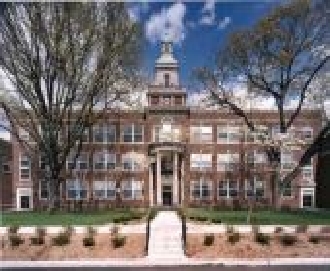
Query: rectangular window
point(104, 160)
point(43, 190)
point(24, 135)
point(307, 133)
point(76, 189)
point(227, 161)
point(201, 134)
point(25, 167)
point(287, 160)
point(254, 187)
point(6, 167)
point(133, 161)
point(133, 133)
point(200, 161)
point(286, 189)
point(132, 189)
point(81, 162)
point(104, 189)
point(307, 171)
point(201, 189)
point(167, 133)
point(254, 158)
point(104, 133)
point(228, 189)
point(228, 134)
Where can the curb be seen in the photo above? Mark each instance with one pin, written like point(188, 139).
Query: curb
point(147, 262)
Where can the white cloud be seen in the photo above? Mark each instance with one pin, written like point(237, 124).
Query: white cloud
point(134, 13)
point(168, 22)
point(208, 13)
point(224, 23)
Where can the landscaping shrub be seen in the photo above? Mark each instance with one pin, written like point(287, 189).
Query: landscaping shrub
point(39, 238)
point(208, 239)
point(233, 237)
point(118, 241)
point(288, 239)
point(114, 230)
point(62, 239)
point(262, 238)
point(15, 240)
point(152, 214)
point(91, 231)
point(89, 241)
point(229, 229)
point(201, 218)
point(301, 228)
point(216, 220)
point(314, 239)
point(13, 229)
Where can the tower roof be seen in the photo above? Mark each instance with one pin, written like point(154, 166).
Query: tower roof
point(166, 58)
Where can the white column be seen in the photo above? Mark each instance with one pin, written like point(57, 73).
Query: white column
point(159, 181)
point(151, 187)
point(175, 180)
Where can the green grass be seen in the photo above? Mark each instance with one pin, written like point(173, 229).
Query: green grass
point(267, 217)
point(64, 218)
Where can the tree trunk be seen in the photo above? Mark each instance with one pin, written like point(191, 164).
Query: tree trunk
point(54, 195)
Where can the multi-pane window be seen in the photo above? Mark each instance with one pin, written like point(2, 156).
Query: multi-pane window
point(81, 162)
point(104, 133)
point(76, 189)
point(104, 160)
point(103, 189)
point(306, 133)
point(132, 189)
point(25, 167)
point(286, 189)
point(201, 189)
point(227, 161)
point(200, 161)
point(133, 133)
point(167, 133)
point(5, 167)
point(228, 134)
point(254, 187)
point(43, 189)
point(307, 171)
point(254, 158)
point(228, 189)
point(133, 161)
point(201, 134)
point(287, 160)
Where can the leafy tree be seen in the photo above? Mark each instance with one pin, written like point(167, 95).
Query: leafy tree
point(64, 65)
point(278, 58)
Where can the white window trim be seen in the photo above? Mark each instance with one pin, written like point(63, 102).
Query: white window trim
point(255, 179)
point(20, 168)
point(228, 189)
point(134, 191)
point(307, 191)
point(199, 127)
point(200, 168)
point(228, 161)
point(106, 160)
point(24, 192)
point(133, 133)
point(76, 182)
point(48, 190)
point(106, 181)
point(228, 128)
point(105, 128)
point(137, 167)
point(200, 187)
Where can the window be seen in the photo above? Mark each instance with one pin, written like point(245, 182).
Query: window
point(286, 189)
point(200, 134)
point(132, 189)
point(133, 161)
point(25, 167)
point(307, 133)
point(166, 100)
point(307, 171)
point(200, 161)
point(254, 187)
point(167, 80)
point(43, 189)
point(76, 189)
point(227, 161)
point(5, 167)
point(201, 189)
point(104, 189)
point(81, 162)
point(254, 158)
point(228, 189)
point(104, 160)
point(133, 133)
point(228, 134)
point(167, 133)
point(104, 133)
point(24, 135)
point(287, 160)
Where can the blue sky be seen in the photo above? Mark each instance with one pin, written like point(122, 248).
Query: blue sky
point(198, 29)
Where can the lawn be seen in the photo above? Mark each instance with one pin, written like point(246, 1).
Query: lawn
point(66, 219)
point(267, 217)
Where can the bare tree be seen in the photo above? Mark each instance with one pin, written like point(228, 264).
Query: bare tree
point(64, 65)
point(278, 58)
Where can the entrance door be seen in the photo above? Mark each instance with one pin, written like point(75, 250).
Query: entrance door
point(167, 195)
point(25, 202)
point(307, 198)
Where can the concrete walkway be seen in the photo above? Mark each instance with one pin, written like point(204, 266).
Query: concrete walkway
point(165, 240)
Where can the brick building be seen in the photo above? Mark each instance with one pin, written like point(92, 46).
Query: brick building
point(168, 153)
